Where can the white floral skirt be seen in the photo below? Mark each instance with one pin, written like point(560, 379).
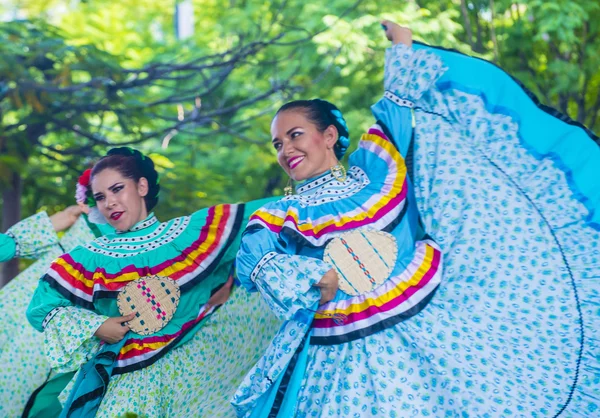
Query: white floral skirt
point(199, 378)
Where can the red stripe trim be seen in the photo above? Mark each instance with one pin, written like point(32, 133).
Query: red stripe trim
point(146, 271)
point(394, 203)
point(67, 277)
point(379, 133)
point(156, 339)
point(374, 309)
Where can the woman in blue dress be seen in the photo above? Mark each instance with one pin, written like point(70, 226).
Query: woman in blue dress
point(492, 300)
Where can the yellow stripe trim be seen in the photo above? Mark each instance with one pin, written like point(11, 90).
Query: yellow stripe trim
point(203, 248)
point(127, 277)
point(137, 346)
point(392, 294)
point(269, 218)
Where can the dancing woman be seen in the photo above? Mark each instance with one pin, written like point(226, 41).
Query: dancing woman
point(135, 303)
point(509, 216)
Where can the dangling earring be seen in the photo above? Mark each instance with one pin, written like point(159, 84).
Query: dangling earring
point(288, 190)
point(339, 172)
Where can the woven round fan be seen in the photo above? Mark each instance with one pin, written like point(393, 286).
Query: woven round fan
point(363, 259)
point(153, 298)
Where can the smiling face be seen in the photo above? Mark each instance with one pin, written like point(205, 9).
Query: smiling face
point(120, 199)
point(302, 150)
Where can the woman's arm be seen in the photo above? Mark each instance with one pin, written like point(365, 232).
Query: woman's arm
point(409, 83)
point(36, 235)
point(288, 282)
point(71, 333)
point(30, 238)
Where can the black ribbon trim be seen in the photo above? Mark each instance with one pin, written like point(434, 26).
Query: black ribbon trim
point(235, 229)
point(67, 294)
point(31, 399)
point(379, 326)
point(283, 387)
point(549, 110)
point(150, 361)
point(98, 392)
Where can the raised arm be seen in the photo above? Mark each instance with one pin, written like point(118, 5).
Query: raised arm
point(409, 79)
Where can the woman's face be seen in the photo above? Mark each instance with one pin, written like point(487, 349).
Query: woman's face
point(120, 199)
point(302, 151)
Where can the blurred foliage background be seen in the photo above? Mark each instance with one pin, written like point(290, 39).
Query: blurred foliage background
point(80, 76)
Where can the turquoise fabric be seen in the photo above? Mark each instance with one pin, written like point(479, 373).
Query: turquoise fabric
point(83, 401)
point(541, 130)
point(7, 248)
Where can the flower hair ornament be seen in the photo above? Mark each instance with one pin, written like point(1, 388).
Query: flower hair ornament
point(83, 195)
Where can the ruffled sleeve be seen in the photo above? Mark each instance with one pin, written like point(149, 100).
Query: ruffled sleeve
point(410, 74)
point(287, 282)
point(270, 265)
point(29, 238)
point(50, 295)
point(69, 339)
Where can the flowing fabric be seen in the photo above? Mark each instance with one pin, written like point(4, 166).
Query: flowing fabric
point(23, 365)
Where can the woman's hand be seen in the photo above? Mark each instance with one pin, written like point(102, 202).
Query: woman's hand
point(328, 286)
point(114, 329)
point(397, 34)
point(65, 218)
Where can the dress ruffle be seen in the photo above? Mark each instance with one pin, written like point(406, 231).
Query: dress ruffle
point(25, 366)
point(504, 187)
point(198, 378)
point(69, 340)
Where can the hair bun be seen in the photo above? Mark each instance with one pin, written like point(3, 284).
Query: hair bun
point(337, 119)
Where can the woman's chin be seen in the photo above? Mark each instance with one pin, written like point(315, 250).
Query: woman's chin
point(119, 224)
point(298, 178)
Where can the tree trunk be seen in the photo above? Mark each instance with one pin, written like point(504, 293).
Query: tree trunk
point(11, 214)
point(493, 32)
point(466, 21)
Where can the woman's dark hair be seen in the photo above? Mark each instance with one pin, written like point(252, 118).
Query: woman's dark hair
point(322, 114)
point(134, 165)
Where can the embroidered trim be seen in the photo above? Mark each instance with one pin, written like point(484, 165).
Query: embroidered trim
point(266, 258)
point(142, 225)
point(51, 315)
point(356, 181)
point(105, 246)
point(17, 246)
point(399, 101)
point(311, 184)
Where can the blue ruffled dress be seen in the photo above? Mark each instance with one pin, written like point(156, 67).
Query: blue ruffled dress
point(507, 193)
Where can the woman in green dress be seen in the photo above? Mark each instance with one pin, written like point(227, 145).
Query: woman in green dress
point(188, 365)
